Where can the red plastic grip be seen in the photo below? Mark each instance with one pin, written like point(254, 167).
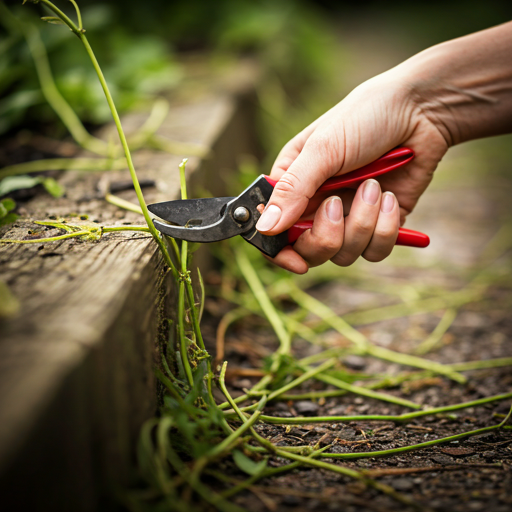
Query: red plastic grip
point(388, 162)
point(406, 237)
point(412, 238)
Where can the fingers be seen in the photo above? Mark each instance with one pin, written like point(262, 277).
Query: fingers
point(386, 231)
point(290, 260)
point(370, 230)
point(371, 227)
point(320, 243)
point(320, 158)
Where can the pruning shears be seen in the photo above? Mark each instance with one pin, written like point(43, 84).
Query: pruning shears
point(217, 218)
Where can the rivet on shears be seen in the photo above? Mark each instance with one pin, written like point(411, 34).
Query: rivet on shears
point(241, 214)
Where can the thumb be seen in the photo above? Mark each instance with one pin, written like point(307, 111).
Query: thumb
point(321, 157)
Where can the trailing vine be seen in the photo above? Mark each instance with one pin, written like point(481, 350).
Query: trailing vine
point(182, 447)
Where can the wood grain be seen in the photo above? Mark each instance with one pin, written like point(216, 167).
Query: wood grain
point(76, 362)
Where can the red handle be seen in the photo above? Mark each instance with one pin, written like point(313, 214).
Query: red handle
point(405, 236)
point(388, 162)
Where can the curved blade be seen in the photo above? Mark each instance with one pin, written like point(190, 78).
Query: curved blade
point(224, 228)
point(191, 212)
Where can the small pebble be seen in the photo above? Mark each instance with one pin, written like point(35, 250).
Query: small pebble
point(306, 407)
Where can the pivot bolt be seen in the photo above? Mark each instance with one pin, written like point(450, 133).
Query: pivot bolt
point(241, 214)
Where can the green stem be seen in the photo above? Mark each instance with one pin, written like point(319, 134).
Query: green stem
point(227, 443)
point(175, 393)
point(435, 337)
point(431, 304)
point(307, 460)
point(126, 149)
point(303, 378)
point(264, 301)
point(417, 362)
point(48, 88)
point(269, 472)
point(117, 121)
point(479, 365)
point(42, 240)
point(356, 475)
point(361, 342)
point(202, 490)
point(313, 395)
point(181, 334)
point(310, 373)
point(126, 228)
point(78, 15)
point(275, 420)
point(419, 446)
point(358, 390)
point(123, 203)
point(155, 119)
point(185, 276)
point(156, 141)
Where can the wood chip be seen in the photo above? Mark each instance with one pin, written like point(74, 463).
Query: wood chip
point(457, 452)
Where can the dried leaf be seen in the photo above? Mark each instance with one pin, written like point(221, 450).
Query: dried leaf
point(457, 451)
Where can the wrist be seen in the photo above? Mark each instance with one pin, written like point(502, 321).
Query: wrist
point(464, 86)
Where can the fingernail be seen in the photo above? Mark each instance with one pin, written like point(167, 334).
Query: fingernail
point(388, 202)
point(334, 209)
point(371, 192)
point(269, 218)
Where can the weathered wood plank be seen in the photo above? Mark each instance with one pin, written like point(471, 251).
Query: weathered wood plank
point(76, 362)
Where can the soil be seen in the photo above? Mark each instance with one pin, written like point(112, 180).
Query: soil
point(468, 228)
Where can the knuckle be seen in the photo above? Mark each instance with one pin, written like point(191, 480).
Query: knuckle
point(386, 233)
point(363, 225)
point(288, 184)
point(330, 245)
point(343, 259)
point(374, 257)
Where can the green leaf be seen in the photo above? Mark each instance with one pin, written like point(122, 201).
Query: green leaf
point(53, 187)
point(3, 211)
point(53, 20)
point(8, 203)
point(247, 465)
point(12, 183)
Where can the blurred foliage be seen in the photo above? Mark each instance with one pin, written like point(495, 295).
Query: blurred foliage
point(299, 42)
point(136, 48)
point(136, 68)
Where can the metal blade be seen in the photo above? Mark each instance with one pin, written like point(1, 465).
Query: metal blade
point(228, 225)
point(191, 212)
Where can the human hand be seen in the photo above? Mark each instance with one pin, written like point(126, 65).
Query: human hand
point(376, 117)
point(447, 94)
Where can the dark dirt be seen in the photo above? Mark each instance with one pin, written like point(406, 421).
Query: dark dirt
point(474, 474)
